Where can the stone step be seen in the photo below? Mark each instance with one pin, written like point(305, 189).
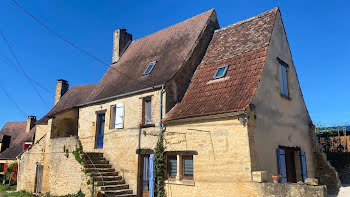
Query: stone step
point(114, 187)
point(94, 159)
point(92, 154)
point(107, 178)
point(99, 170)
point(96, 174)
point(100, 164)
point(119, 192)
point(104, 183)
point(121, 195)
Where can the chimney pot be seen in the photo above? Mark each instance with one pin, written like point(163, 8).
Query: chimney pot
point(121, 41)
point(30, 123)
point(62, 87)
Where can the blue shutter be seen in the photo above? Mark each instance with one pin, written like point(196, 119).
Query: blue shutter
point(303, 165)
point(151, 177)
point(281, 164)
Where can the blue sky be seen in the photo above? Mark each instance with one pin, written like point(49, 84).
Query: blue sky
point(318, 34)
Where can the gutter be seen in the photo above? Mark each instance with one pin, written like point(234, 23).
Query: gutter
point(121, 95)
point(215, 116)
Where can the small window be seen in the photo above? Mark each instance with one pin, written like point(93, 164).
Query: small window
point(147, 111)
point(172, 166)
point(187, 164)
point(220, 72)
point(26, 145)
point(2, 167)
point(149, 68)
point(283, 80)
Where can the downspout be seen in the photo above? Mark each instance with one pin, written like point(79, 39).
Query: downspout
point(161, 112)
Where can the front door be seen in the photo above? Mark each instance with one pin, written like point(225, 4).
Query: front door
point(147, 180)
point(100, 130)
point(39, 178)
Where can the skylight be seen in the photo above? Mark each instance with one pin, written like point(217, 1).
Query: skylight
point(220, 72)
point(149, 68)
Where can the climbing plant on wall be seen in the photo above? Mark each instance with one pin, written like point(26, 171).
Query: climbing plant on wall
point(159, 166)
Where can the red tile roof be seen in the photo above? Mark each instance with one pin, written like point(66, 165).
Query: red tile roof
point(242, 46)
point(169, 47)
point(17, 131)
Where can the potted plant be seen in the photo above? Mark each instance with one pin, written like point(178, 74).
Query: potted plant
point(276, 178)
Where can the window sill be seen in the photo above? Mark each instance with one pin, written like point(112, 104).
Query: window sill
point(180, 182)
point(286, 97)
point(147, 125)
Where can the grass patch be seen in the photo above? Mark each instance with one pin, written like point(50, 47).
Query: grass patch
point(6, 188)
point(19, 194)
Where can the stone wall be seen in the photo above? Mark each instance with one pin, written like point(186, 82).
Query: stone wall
point(62, 173)
point(276, 120)
point(326, 173)
point(290, 190)
point(341, 163)
point(222, 165)
point(120, 145)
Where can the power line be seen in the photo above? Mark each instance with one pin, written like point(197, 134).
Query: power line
point(75, 46)
point(19, 64)
point(11, 99)
point(8, 62)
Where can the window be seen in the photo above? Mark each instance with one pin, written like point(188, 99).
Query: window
point(172, 166)
point(147, 111)
point(187, 167)
point(149, 68)
point(220, 72)
point(117, 116)
point(26, 145)
point(283, 79)
point(2, 167)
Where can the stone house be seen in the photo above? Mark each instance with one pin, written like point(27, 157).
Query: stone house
point(15, 137)
point(227, 101)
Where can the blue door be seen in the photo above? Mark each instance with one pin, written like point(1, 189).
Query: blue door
point(100, 130)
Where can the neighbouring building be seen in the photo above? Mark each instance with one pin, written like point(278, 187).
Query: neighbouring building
point(15, 137)
point(227, 101)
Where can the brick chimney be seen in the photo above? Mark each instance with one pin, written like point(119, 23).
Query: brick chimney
point(121, 41)
point(61, 88)
point(30, 123)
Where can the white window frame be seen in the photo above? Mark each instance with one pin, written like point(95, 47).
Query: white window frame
point(151, 64)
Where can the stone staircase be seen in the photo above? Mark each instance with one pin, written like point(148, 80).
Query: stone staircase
point(105, 177)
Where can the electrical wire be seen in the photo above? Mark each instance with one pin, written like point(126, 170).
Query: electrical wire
point(8, 62)
point(75, 46)
point(11, 99)
point(19, 64)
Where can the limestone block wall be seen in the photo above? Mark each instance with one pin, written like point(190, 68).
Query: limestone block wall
point(27, 165)
point(222, 166)
point(120, 145)
point(65, 173)
point(290, 190)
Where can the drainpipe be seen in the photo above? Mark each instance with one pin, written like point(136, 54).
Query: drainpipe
point(161, 112)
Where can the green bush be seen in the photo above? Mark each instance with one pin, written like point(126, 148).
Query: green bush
point(19, 194)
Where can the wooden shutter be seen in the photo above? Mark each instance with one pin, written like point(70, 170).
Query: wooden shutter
point(283, 80)
point(119, 116)
point(303, 165)
point(151, 176)
point(112, 117)
point(281, 164)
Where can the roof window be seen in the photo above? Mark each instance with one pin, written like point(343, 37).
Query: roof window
point(149, 68)
point(220, 72)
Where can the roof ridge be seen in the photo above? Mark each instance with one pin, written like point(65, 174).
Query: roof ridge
point(211, 10)
point(248, 19)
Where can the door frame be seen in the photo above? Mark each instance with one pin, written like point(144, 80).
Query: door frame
point(141, 153)
point(98, 113)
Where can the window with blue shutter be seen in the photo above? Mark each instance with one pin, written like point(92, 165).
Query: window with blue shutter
point(187, 167)
point(281, 164)
point(303, 165)
point(172, 166)
point(283, 80)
